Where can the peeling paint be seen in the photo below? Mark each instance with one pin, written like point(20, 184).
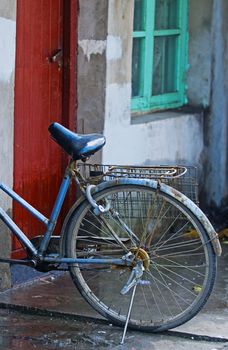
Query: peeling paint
point(7, 69)
point(114, 48)
point(92, 47)
point(7, 48)
point(177, 139)
point(216, 177)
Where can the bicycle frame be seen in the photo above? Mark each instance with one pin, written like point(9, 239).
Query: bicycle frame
point(38, 255)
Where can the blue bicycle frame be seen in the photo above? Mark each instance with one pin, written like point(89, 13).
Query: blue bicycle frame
point(39, 254)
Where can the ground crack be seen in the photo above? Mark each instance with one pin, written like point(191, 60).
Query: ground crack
point(196, 337)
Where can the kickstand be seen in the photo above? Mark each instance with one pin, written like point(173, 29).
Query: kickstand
point(128, 314)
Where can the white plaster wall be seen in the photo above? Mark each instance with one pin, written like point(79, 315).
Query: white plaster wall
point(7, 68)
point(175, 139)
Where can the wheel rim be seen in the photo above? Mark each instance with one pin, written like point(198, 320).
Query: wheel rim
point(178, 277)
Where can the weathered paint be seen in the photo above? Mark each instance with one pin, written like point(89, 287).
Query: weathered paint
point(104, 88)
point(7, 68)
point(199, 52)
point(114, 48)
point(147, 98)
point(38, 102)
point(43, 94)
point(174, 139)
point(70, 39)
point(180, 197)
point(153, 184)
point(7, 47)
point(92, 35)
point(217, 123)
point(92, 47)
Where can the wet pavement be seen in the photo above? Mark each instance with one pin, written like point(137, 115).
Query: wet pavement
point(49, 313)
point(24, 331)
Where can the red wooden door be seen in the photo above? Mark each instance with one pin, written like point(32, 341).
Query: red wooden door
point(38, 163)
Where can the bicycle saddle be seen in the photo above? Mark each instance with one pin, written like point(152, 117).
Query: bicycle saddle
point(77, 146)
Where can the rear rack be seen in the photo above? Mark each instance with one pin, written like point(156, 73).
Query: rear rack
point(183, 178)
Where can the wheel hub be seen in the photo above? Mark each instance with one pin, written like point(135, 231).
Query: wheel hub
point(141, 254)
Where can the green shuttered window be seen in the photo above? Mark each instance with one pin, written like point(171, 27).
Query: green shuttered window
point(159, 54)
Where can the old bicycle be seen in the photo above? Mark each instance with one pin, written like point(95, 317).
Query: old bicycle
point(139, 251)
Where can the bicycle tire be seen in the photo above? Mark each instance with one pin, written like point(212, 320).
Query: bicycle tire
point(182, 265)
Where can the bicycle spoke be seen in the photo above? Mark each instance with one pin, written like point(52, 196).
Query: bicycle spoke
point(186, 267)
point(169, 289)
point(172, 247)
point(182, 277)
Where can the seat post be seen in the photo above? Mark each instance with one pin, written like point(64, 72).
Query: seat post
point(71, 167)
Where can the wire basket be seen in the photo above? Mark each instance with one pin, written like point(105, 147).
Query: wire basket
point(183, 178)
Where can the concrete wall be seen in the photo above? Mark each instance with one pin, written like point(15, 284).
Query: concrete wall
point(207, 86)
point(7, 69)
point(169, 137)
point(105, 31)
point(216, 127)
point(92, 34)
point(199, 52)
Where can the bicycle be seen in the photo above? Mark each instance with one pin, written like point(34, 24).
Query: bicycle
point(138, 250)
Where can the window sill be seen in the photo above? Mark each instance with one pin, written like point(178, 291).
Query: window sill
point(142, 118)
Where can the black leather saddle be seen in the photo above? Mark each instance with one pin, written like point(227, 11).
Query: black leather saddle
point(77, 146)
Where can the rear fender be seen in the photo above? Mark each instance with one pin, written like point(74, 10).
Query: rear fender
point(170, 191)
point(180, 197)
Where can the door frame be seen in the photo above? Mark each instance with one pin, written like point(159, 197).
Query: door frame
point(70, 36)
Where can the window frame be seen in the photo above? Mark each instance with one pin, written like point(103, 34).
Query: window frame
point(171, 99)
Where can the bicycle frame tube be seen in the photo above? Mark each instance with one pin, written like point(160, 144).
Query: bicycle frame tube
point(49, 223)
point(18, 233)
point(101, 261)
point(50, 228)
point(23, 203)
point(55, 212)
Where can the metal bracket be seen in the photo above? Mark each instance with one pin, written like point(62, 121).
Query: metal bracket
point(134, 277)
point(97, 208)
point(132, 282)
point(56, 57)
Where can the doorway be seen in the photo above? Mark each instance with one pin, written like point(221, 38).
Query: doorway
point(45, 92)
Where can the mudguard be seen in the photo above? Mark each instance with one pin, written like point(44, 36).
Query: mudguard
point(170, 191)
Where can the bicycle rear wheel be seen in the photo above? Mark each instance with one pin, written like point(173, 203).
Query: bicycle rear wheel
point(179, 260)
